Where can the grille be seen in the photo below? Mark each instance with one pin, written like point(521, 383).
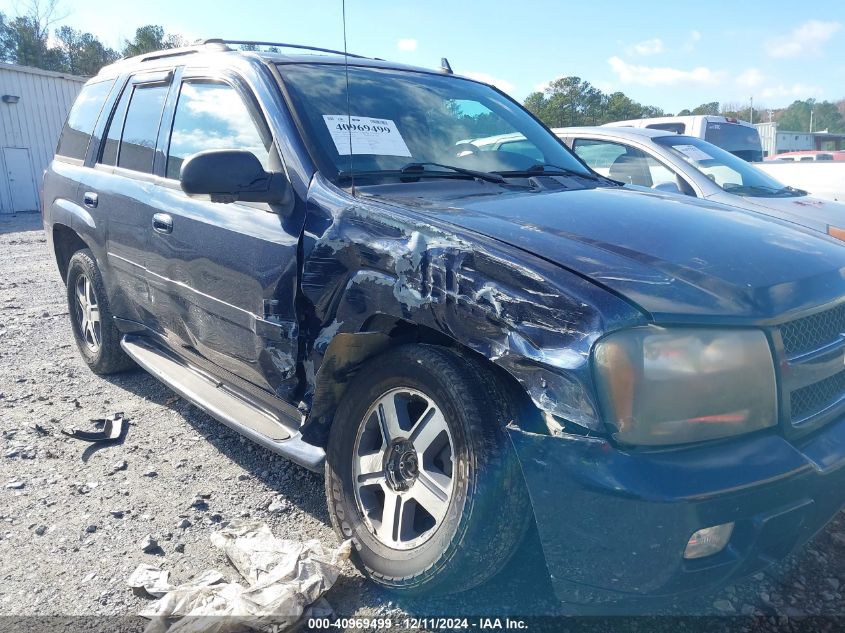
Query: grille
point(812, 332)
point(813, 398)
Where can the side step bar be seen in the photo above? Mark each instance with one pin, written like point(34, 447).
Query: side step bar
point(275, 431)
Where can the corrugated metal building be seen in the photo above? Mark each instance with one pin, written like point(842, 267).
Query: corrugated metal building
point(777, 141)
point(33, 106)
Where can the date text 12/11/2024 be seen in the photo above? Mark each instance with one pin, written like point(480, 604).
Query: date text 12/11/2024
point(386, 624)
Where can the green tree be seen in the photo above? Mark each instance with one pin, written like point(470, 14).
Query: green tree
point(569, 101)
point(651, 111)
point(83, 53)
point(620, 107)
point(826, 116)
point(711, 108)
point(535, 103)
point(566, 100)
point(24, 39)
point(151, 38)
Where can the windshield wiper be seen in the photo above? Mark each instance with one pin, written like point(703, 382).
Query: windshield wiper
point(418, 170)
point(541, 170)
point(765, 189)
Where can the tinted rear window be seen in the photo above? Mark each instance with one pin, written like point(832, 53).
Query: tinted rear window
point(138, 142)
point(76, 134)
point(740, 140)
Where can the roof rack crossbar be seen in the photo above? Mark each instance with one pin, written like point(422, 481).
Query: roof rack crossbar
point(281, 45)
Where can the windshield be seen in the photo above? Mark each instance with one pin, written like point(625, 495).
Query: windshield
point(740, 140)
point(402, 118)
point(732, 174)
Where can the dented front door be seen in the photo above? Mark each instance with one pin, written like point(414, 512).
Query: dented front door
point(223, 277)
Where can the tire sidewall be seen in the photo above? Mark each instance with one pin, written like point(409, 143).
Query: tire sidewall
point(82, 264)
point(417, 566)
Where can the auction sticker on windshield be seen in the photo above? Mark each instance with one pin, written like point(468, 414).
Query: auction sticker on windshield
point(693, 153)
point(368, 135)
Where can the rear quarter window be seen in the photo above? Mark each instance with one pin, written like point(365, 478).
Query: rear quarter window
point(76, 134)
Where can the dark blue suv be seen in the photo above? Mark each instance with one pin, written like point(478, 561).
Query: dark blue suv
point(467, 340)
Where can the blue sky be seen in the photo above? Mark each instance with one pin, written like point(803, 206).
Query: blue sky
point(669, 54)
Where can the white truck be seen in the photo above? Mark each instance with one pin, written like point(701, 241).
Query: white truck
point(738, 137)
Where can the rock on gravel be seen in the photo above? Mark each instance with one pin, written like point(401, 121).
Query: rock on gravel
point(118, 466)
point(148, 544)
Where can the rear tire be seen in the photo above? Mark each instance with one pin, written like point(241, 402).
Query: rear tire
point(447, 462)
point(96, 336)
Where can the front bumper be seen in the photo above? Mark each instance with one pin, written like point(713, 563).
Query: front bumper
point(613, 523)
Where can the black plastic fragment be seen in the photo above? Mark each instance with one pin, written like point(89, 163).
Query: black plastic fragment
point(112, 430)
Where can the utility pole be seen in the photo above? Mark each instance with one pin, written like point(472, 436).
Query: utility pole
point(812, 111)
point(752, 110)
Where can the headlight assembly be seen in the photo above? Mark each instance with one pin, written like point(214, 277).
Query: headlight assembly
point(661, 386)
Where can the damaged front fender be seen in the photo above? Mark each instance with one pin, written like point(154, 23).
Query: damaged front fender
point(363, 258)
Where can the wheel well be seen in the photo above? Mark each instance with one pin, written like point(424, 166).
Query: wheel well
point(65, 243)
point(347, 353)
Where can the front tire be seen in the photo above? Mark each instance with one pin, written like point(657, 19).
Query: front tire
point(96, 336)
point(420, 474)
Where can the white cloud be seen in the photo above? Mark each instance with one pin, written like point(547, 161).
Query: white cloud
point(797, 90)
point(693, 39)
point(804, 41)
point(502, 84)
point(407, 44)
point(662, 75)
point(751, 78)
point(647, 47)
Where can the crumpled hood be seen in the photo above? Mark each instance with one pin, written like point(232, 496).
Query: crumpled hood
point(678, 259)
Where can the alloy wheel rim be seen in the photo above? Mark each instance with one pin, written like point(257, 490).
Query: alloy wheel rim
point(88, 313)
point(403, 468)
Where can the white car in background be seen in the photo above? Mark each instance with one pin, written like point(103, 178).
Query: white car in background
point(680, 164)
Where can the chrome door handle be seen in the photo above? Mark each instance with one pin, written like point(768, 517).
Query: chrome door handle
point(162, 223)
point(90, 199)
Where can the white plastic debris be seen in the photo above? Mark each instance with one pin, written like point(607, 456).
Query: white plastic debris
point(151, 579)
point(284, 578)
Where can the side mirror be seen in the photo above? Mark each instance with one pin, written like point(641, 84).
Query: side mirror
point(228, 175)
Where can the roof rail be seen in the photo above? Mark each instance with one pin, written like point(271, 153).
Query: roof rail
point(280, 45)
point(173, 52)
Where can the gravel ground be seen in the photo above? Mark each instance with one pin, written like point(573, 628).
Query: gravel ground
point(73, 515)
